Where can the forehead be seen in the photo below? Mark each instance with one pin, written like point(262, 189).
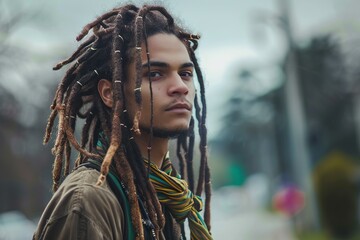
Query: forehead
point(166, 48)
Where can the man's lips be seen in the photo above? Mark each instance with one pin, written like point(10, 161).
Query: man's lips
point(179, 106)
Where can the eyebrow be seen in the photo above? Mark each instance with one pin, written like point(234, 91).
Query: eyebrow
point(165, 65)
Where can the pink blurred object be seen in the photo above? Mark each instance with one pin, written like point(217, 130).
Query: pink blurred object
point(289, 200)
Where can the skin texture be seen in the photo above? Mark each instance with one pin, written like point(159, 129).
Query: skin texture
point(171, 72)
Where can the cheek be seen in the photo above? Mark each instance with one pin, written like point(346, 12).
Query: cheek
point(192, 91)
point(156, 90)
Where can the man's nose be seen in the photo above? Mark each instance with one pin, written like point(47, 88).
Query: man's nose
point(177, 85)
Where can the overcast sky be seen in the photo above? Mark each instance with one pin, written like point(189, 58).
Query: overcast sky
point(235, 33)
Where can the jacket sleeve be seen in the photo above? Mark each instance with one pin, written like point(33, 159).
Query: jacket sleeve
point(80, 210)
point(72, 226)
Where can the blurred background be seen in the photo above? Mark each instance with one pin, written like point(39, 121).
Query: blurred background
point(283, 92)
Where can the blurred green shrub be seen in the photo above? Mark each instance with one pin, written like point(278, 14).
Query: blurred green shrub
point(336, 190)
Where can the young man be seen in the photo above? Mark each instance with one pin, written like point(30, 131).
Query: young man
point(132, 82)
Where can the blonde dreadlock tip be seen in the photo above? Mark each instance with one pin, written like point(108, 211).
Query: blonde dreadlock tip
point(100, 180)
point(46, 140)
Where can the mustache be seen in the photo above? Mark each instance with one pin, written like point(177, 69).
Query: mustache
point(180, 101)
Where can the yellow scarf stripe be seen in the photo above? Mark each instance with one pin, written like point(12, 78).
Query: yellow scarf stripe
point(181, 202)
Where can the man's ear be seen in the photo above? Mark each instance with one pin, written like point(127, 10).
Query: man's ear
point(106, 92)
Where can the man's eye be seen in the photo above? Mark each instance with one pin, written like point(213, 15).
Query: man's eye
point(186, 74)
point(154, 74)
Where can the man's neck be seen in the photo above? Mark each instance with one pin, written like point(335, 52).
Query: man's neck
point(159, 147)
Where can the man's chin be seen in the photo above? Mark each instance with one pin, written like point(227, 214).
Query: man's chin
point(166, 133)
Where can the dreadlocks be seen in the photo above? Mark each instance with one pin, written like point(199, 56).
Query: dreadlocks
point(115, 43)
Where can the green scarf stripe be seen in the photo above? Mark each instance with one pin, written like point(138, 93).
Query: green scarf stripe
point(126, 208)
point(173, 192)
point(178, 184)
point(157, 180)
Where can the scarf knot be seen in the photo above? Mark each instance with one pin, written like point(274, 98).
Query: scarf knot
point(173, 192)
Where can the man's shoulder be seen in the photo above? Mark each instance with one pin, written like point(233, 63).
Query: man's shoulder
point(79, 201)
point(80, 189)
point(82, 177)
point(78, 194)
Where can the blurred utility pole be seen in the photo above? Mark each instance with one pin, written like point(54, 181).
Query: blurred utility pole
point(300, 157)
point(357, 113)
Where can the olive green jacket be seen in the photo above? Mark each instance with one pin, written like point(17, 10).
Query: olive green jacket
point(81, 210)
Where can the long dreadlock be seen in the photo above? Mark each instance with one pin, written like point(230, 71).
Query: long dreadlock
point(116, 42)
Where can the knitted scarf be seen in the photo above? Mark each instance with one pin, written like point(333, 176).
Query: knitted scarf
point(173, 192)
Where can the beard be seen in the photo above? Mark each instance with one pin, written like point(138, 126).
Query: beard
point(166, 133)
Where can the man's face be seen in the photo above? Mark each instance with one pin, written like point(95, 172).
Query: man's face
point(171, 73)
